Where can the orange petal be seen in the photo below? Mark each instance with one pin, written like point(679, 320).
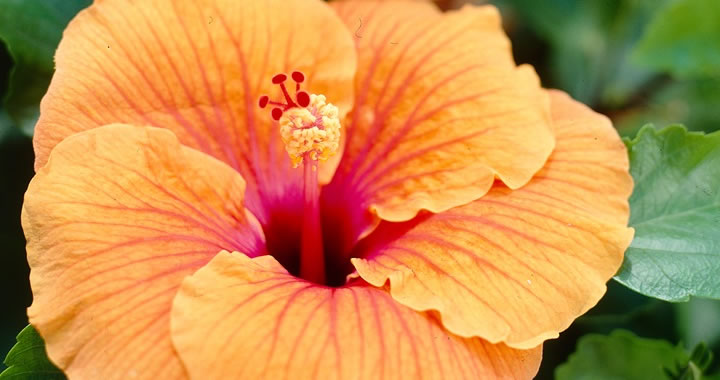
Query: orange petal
point(114, 222)
point(198, 68)
point(243, 318)
point(517, 266)
point(441, 110)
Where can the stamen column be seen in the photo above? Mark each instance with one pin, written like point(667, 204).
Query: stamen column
point(312, 259)
point(310, 129)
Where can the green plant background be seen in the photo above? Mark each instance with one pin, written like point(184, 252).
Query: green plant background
point(637, 61)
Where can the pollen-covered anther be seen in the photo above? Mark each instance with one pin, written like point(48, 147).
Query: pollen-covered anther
point(309, 126)
point(312, 131)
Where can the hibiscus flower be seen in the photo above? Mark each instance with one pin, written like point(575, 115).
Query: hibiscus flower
point(290, 189)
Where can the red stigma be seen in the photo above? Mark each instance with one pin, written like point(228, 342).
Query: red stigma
point(263, 101)
point(298, 76)
point(302, 98)
point(279, 78)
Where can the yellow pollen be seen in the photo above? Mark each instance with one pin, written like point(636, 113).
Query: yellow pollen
point(312, 131)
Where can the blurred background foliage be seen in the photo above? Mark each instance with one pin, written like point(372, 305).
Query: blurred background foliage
point(637, 61)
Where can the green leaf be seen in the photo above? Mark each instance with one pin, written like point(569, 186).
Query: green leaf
point(27, 360)
point(675, 210)
point(621, 355)
point(684, 39)
point(32, 30)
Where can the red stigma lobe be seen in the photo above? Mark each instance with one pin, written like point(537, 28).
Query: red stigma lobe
point(303, 98)
point(263, 101)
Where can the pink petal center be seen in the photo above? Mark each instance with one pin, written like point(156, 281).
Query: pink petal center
point(295, 229)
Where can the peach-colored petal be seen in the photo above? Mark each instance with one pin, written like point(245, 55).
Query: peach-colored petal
point(243, 318)
point(198, 68)
point(441, 110)
point(517, 266)
point(114, 222)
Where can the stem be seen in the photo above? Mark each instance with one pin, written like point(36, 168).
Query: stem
point(312, 260)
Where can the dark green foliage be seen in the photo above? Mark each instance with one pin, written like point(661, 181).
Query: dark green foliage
point(683, 39)
point(31, 30)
